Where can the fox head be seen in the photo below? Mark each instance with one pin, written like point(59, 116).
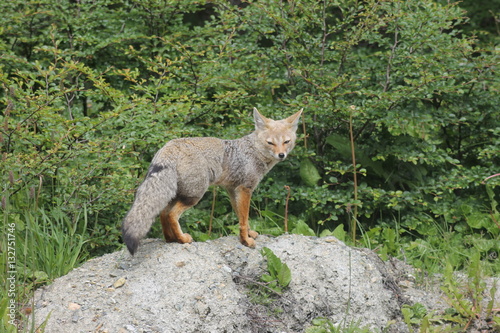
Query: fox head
point(275, 138)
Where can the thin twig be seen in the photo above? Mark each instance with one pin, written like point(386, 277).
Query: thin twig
point(261, 284)
point(286, 207)
point(304, 131)
point(391, 58)
point(214, 195)
point(495, 175)
point(353, 152)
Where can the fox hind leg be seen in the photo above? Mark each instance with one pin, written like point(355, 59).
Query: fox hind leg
point(166, 228)
point(169, 218)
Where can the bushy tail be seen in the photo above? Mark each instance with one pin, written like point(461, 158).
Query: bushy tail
point(152, 196)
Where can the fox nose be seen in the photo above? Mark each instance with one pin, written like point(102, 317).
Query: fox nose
point(281, 155)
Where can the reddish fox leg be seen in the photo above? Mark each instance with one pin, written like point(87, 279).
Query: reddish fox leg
point(241, 202)
point(170, 223)
point(165, 226)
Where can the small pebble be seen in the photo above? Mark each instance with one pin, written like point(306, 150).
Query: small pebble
point(119, 283)
point(74, 306)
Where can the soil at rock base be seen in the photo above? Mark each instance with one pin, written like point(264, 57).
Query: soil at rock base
point(204, 287)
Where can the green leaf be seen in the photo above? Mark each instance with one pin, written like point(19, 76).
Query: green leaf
point(284, 276)
point(40, 276)
point(477, 220)
point(309, 173)
point(267, 278)
point(278, 271)
point(341, 144)
point(407, 315)
point(273, 262)
point(419, 310)
point(301, 228)
point(340, 233)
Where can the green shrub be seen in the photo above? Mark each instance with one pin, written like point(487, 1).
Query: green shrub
point(90, 91)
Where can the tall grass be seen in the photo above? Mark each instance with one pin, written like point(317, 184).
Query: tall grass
point(52, 242)
point(48, 243)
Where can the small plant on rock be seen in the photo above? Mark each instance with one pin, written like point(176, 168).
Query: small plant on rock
point(279, 275)
point(272, 282)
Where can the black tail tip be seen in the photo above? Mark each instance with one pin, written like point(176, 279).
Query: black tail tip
point(131, 242)
point(132, 248)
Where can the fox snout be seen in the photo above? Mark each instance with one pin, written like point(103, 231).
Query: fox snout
point(279, 148)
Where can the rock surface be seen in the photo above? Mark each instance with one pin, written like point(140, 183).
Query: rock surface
point(204, 287)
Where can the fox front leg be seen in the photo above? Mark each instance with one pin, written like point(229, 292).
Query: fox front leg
point(240, 199)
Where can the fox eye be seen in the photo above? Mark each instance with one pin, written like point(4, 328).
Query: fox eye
point(286, 142)
point(271, 143)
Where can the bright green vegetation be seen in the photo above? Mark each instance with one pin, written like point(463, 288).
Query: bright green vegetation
point(400, 129)
point(268, 290)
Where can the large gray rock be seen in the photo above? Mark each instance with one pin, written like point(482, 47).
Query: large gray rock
point(203, 287)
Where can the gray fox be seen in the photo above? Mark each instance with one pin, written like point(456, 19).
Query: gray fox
point(182, 170)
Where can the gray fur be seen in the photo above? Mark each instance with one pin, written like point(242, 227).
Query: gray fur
point(152, 196)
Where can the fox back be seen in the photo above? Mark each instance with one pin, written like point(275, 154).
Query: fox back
point(182, 170)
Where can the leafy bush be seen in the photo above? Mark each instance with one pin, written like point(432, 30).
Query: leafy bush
point(91, 90)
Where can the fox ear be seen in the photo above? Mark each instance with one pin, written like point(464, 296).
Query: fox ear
point(294, 119)
point(260, 120)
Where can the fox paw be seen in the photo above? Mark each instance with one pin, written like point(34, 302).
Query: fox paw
point(248, 242)
point(185, 238)
point(253, 234)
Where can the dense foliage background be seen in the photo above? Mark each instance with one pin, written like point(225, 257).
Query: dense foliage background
point(92, 89)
